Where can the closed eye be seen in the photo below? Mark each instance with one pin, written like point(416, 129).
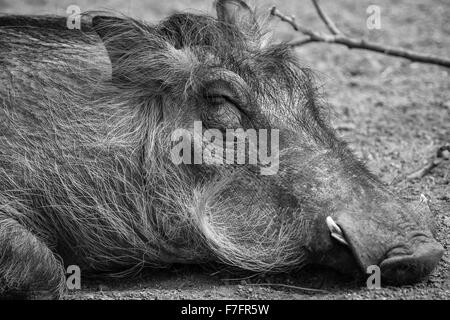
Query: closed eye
point(220, 99)
point(223, 109)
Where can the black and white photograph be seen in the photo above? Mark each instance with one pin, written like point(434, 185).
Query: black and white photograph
point(249, 151)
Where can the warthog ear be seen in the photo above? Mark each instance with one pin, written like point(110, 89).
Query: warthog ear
point(232, 11)
point(140, 58)
point(124, 39)
point(238, 13)
point(107, 28)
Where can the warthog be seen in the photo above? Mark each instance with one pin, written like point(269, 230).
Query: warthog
point(87, 178)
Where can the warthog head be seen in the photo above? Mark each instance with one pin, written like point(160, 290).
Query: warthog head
point(319, 205)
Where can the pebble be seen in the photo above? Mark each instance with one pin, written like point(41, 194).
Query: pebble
point(103, 287)
point(447, 221)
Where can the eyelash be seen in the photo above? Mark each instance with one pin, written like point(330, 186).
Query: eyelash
point(211, 99)
point(229, 100)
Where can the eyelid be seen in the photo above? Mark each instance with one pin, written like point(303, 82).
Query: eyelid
point(225, 97)
point(218, 79)
point(231, 101)
point(234, 91)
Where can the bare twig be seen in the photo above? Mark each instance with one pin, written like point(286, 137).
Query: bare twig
point(288, 286)
point(443, 153)
point(240, 279)
point(338, 37)
point(314, 36)
point(422, 172)
point(328, 22)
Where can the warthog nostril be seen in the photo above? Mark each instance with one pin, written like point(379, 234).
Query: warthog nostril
point(407, 269)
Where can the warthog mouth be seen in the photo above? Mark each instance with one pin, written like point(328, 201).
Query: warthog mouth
point(400, 265)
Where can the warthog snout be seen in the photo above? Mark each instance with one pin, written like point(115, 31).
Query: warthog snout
point(404, 255)
point(358, 222)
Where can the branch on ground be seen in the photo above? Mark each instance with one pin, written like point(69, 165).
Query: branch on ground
point(442, 154)
point(287, 286)
point(337, 37)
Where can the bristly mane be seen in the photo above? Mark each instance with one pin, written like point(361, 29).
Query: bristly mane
point(106, 184)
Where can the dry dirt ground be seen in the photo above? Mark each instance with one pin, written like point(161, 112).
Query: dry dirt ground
point(394, 113)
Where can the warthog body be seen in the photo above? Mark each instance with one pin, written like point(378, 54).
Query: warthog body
point(86, 175)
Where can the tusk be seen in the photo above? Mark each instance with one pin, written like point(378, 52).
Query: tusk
point(334, 228)
point(340, 238)
point(336, 231)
